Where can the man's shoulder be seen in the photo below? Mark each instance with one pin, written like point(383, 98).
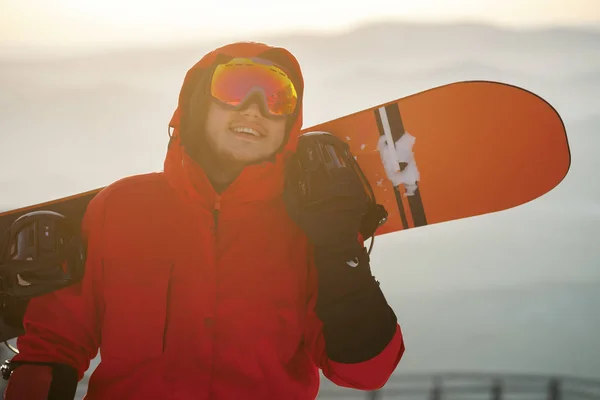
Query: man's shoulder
point(131, 190)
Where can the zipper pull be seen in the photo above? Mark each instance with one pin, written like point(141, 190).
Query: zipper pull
point(216, 209)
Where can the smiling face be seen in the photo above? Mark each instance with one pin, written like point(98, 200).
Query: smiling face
point(242, 136)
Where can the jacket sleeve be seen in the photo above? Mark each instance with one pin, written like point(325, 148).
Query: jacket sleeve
point(371, 374)
point(64, 326)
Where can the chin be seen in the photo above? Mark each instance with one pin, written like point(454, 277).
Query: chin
point(250, 159)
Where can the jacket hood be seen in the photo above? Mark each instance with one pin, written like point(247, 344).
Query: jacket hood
point(258, 182)
point(198, 71)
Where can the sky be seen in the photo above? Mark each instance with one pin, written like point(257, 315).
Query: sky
point(125, 22)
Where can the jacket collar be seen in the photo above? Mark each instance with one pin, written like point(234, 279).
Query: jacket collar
point(257, 183)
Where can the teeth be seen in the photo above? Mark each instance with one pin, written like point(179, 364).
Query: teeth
point(243, 129)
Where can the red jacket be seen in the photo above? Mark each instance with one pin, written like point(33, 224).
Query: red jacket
point(182, 307)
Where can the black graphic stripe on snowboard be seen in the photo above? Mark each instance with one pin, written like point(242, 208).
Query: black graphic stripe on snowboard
point(396, 128)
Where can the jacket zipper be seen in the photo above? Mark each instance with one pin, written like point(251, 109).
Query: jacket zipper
point(216, 210)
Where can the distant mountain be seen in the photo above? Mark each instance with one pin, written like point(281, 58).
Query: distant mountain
point(381, 37)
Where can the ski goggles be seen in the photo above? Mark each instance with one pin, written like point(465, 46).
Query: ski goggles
point(236, 81)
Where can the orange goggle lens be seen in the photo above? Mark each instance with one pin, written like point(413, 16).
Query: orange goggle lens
point(235, 81)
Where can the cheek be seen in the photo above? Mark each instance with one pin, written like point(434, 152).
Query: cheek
point(216, 122)
point(279, 131)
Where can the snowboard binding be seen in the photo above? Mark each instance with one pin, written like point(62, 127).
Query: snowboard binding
point(42, 254)
point(319, 158)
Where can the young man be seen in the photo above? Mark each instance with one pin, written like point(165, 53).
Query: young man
point(199, 283)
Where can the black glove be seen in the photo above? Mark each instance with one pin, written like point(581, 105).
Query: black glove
point(357, 321)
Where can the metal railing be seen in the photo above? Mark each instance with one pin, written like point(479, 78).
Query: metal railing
point(474, 386)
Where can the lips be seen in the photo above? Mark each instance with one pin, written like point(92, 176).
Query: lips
point(248, 130)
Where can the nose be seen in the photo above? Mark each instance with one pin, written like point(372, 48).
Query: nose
point(252, 110)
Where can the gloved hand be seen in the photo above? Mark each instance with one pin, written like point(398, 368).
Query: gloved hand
point(329, 204)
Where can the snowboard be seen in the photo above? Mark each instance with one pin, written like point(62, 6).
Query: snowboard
point(451, 152)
